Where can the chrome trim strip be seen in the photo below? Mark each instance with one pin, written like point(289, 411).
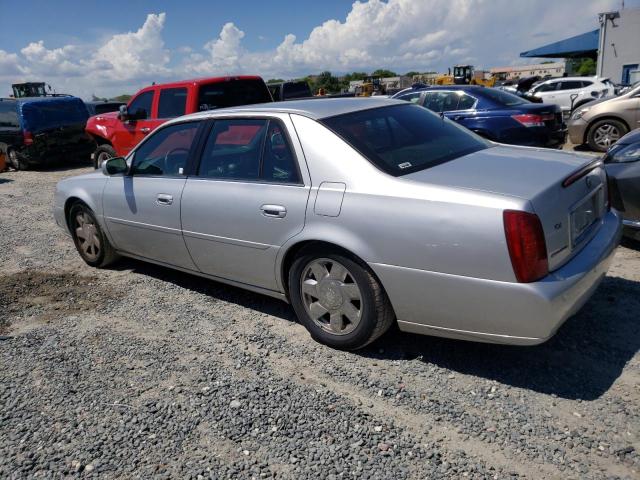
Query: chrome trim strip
point(231, 241)
point(148, 226)
point(631, 223)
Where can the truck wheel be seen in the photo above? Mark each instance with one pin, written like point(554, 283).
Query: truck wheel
point(16, 160)
point(102, 153)
point(89, 239)
point(338, 300)
point(605, 133)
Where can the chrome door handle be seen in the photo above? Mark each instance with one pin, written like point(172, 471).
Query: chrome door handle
point(275, 211)
point(164, 199)
point(145, 130)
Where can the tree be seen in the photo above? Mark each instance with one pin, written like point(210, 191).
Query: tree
point(98, 99)
point(326, 81)
point(122, 98)
point(587, 67)
point(275, 80)
point(381, 72)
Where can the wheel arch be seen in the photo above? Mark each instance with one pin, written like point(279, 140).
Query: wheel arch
point(100, 140)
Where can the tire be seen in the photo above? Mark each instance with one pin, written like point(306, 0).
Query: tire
point(345, 285)
point(102, 153)
point(16, 160)
point(604, 133)
point(89, 239)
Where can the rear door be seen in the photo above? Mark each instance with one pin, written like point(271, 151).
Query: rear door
point(142, 209)
point(248, 198)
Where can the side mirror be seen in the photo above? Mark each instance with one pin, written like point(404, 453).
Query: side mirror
point(123, 113)
point(114, 166)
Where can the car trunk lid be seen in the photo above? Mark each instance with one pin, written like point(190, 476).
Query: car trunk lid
point(570, 214)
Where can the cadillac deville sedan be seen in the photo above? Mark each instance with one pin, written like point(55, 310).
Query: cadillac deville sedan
point(360, 213)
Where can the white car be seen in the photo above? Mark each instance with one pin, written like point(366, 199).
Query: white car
point(560, 91)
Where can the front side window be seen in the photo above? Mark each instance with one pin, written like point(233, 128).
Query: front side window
point(402, 139)
point(546, 87)
point(172, 103)
point(140, 107)
point(165, 153)
point(466, 102)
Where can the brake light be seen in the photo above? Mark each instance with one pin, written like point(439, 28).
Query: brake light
point(582, 172)
point(529, 120)
point(527, 248)
point(27, 137)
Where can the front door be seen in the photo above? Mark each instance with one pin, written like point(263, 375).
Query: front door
point(131, 132)
point(247, 199)
point(142, 209)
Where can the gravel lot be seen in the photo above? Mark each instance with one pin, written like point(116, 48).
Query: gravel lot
point(140, 371)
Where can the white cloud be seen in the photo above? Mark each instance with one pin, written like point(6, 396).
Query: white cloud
point(398, 34)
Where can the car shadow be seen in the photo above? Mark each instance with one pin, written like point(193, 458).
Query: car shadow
point(5, 180)
point(584, 358)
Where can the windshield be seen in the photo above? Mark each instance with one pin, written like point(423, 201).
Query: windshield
point(403, 139)
point(503, 98)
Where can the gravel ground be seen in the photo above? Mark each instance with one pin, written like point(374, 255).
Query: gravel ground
point(140, 371)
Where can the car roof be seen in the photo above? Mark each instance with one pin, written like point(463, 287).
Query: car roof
point(315, 108)
point(562, 79)
point(203, 80)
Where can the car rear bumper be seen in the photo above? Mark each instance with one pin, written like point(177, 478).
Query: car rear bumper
point(483, 310)
point(577, 129)
point(534, 137)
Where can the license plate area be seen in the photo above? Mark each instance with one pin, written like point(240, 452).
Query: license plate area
point(585, 215)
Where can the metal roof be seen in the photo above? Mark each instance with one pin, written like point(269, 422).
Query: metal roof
point(584, 45)
point(316, 108)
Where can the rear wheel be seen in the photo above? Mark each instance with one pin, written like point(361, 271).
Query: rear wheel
point(338, 300)
point(89, 239)
point(102, 153)
point(16, 160)
point(605, 133)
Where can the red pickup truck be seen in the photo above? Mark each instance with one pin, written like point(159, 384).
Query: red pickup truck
point(116, 133)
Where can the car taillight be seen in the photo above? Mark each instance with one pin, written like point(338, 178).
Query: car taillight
point(529, 120)
point(527, 248)
point(27, 137)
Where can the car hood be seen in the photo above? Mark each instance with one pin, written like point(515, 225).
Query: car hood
point(629, 138)
point(514, 171)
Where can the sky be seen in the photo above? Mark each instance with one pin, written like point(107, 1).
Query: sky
point(114, 47)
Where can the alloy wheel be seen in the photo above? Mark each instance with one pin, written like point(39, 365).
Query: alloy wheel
point(87, 235)
point(331, 296)
point(606, 135)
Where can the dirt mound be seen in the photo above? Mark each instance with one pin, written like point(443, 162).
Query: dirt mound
point(48, 296)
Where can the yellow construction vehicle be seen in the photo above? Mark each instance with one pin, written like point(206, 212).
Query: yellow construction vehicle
point(370, 86)
point(465, 75)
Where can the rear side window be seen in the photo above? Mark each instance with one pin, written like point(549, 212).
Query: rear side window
point(547, 87)
point(441, 101)
point(166, 152)
point(142, 102)
point(9, 115)
point(172, 103)
point(570, 85)
point(232, 93)
point(411, 97)
point(402, 139)
point(503, 98)
point(466, 102)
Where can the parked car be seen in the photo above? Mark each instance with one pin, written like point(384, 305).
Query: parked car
point(622, 163)
point(494, 114)
point(572, 92)
point(360, 213)
point(602, 123)
point(44, 130)
point(100, 107)
point(289, 90)
point(117, 133)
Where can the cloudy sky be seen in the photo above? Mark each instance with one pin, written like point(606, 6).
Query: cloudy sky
point(114, 47)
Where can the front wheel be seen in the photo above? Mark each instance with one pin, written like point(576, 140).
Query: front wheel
point(89, 239)
point(103, 153)
point(338, 300)
point(16, 161)
point(605, 133)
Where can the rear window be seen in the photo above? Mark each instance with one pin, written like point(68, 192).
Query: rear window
point(403, 139)
point(8, 115)
point(232, 93)
point(503, 98)
point(52, 113)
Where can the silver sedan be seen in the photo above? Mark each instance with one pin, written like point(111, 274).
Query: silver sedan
point(361, 213)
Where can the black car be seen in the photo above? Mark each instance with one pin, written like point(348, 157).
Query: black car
point(622, 162)
point(493, 113)
point(289, 90)
point(100, 107)
point(44, 130)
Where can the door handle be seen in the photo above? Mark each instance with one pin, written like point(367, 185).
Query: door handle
point(275, 211)
point(164, 199)
point(145, 130)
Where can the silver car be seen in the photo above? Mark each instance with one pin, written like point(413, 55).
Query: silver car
point(361, 213)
